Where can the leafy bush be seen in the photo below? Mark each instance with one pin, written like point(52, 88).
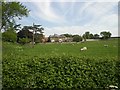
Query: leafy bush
point(58, 72)
point(9, 36)
point(24, 40)
point(77, 38)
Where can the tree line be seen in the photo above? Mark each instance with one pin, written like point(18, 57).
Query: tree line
point(87, 35)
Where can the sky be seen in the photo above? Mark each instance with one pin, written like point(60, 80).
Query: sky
point(73, 17)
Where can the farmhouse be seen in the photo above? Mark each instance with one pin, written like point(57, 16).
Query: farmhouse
point(57, 38)
point(60, 38)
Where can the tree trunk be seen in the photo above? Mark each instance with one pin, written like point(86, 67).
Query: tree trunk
point(33, 39)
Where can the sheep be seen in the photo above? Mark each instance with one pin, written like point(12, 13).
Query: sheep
point(83, 49)
point(112, 87)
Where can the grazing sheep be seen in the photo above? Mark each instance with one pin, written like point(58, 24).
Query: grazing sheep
point(83, 49)
point(112, 87)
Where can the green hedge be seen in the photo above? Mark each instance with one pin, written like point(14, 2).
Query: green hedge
point(59, 72)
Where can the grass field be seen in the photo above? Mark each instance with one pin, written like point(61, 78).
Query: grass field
point(60, 65)
point(95, 49)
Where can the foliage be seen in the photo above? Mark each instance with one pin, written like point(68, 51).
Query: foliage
point(11, 11)
point(105, 35)
point(10, 35)
point(68, 35)
point(38, 30)
point(91, 36)
point(88, 35)
point(77, 38)
point(96, 36)
point(38, 38)
point(35, 36)
point(58, 72)
point(24, 40)
point(24, 33)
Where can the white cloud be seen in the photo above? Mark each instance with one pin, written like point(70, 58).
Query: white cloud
point(46, 12)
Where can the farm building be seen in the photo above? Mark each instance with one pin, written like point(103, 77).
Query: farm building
point(60, 38)
point(57, 38)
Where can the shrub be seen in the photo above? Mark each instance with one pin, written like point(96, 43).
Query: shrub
point(58, 72)
point(9, 36)
point(77, 38)
point(24, 40)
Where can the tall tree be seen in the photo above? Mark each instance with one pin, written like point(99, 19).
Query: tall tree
point(11, 11)
point(105, 35)
point(87, 35)
point(37, 32)
point(24, 33)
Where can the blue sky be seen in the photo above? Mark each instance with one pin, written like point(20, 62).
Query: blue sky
point(73, 17)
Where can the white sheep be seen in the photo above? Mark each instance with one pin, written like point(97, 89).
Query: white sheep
point(113, 87)
point(83, 49)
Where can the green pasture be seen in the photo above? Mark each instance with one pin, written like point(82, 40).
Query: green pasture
point(95, 49)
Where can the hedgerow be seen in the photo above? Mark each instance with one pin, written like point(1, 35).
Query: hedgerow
point(59, 72)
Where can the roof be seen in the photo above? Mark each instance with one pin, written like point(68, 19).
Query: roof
point(57, 36)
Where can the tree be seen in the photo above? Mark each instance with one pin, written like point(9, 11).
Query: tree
point(11, 11)
point(96, 36)
point(38, 30)
point(87, 35)
point(84, 37)
point(67, 35)
point(24, 35)
point(91, 36)
point(35, 35)
point(105, 35)
point(77, 38)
